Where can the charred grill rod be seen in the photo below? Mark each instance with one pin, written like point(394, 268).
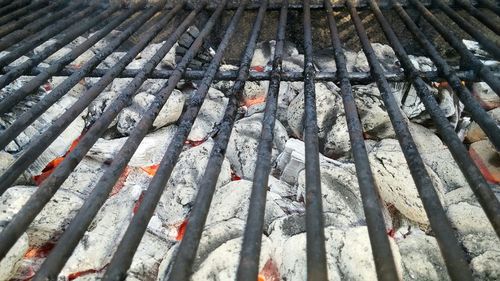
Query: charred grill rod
point(39, 108)
point(381, 248)
point(481, 188)
point(123, 256)
point(14, 5)
point(480, 16)
point(316, 253)
point(248, 268)
point(69, 35)
point(453, 255)
point(490, 5)
point(24, 10)
point(468, 58)
point(184, 259)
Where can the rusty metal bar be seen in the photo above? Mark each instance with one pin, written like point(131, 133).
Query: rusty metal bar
point(452, 253)
point(184, 259)
point(379, 240)
point(316, 253)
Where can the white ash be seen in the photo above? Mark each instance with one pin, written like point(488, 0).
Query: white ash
point(12, 260)
point(209, 116)
point(149, 152)
point(50, 222)
point(385, 55)
point(395, 183)
point(325, 60)
point(485, 95)
point(181, 189)
point(422, 63)
point(244, 141)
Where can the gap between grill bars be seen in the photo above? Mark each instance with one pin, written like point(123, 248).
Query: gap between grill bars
point(31, 32)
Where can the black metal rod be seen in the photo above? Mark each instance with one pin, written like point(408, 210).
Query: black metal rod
point(5, 2)
point(37, 147)
point(12, 99)
point(122, 258)
point(478, 114)
point(69, 35)
point(50, 185)
point(453, 255)
point(44, 35)
point(379, 240)
point(480, 16)
point(33, 23)
point(486, 43)
point(13, 6)
point(478, 184)
point(316, 253)
point(24, 10)
point(184, 259)
point(78, 226)
point(490, 5)
point(248, 268)
point(23, 121)
point(467, 57)
point(231, 75)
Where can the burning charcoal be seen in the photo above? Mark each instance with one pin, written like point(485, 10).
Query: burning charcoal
point(83, 178)
point(98, 106)
point(243, 144)
point(437, 156)
point(264, 53)
point(231, 201)
point(255, 92)
point(327, 104)
point(203, 57)
point(485, 267)
point(349, 255)
point(217, 269)
point(395, 183)
point(423, 64)
point(475, 133)
point(385, 55)
point(17, 62)
point(325, 60)
point(11, 262)
point(149, 152)
point(485, 95)
point(421, 259)
point(211, 113)
point(95, 249)
point(111, 60)
point(130, 116)
point(148, 257)
point(181, 189)
point(50, 222)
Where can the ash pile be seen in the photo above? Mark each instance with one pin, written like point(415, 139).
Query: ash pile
point(283, 255)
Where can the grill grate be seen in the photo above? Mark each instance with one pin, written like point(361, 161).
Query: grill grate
point(22, 24)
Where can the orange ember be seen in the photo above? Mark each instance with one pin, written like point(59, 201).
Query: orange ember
point(47, 171)
point(258, 100)
point(138, 203)
point(391, 232)
point(150, 170)
point(269, 272)
point(47, 87)
point(234, 176)
point(75, 275)
point(39, 252)
point(181, 230)
point(192, 143)
point(488, 175)
point(121, 182)
point(257, 68)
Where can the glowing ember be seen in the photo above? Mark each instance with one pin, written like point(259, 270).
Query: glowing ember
point(258, 100)
point(192, 143)
point(257, 68)
point(487, 173)
point(121, 182)
point(150, 170)
point(181, 230)
point(234, 176)
point(39, 252)
point(269, 272)
point(47, 171)
point(138, 203)
point(391, 232)
point(75, 275)
point(47, 87)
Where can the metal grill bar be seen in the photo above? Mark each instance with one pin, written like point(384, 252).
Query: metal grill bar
point(316, 253)
point(184, 257)
point(468, 59)
point(29, 24)
point(450, 249)
point(24, 10)
point(70, 34)
point(44, 35)
point(490, 5)
point(487, 21)
point(476, 181)
point(487, 44)
point(123, 256)
point(183, 261)
point(248, 268)
point(381, 249)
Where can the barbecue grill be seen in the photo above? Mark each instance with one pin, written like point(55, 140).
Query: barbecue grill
point(28, 24)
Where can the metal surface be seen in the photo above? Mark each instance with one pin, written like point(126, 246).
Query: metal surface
point(28, 24)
